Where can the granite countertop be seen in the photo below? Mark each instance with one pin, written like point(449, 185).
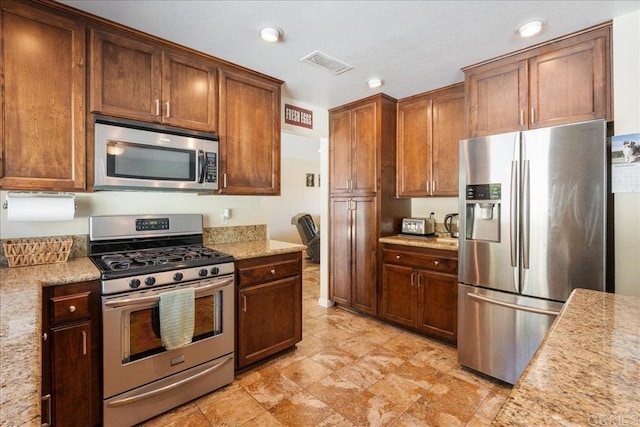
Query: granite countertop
point(20, 329)
point(587, 370)
point(258, 248)
point(433, 242)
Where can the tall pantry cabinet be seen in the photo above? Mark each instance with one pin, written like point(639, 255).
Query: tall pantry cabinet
point(363, 206)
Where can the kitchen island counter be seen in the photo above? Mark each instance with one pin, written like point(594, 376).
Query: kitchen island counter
point(258, 248)
point(20, 334)
point(587, 369)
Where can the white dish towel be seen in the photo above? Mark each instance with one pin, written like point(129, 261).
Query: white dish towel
point(177, 317)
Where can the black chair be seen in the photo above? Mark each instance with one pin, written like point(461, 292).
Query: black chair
point(308, 234)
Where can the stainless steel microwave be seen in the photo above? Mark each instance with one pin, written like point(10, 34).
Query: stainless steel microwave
point(134, 156)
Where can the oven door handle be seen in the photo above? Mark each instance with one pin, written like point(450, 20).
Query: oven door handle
point(133, 399)
point(153, 298)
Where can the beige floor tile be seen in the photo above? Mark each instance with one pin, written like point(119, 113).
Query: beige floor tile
point(188, 415)
point(333, 358)
point(408, 420)
point(367, 409)
point(491, 405)
point(272, 389)
point(263, 420)
point(301, 410)
point(333, 390)
point(306, 372)
point(232, 410)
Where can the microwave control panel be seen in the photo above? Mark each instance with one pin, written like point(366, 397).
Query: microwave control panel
point(211, 173)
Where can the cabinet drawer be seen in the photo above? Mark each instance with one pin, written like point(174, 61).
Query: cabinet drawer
point(267, 269)
point(69, 308)
point(428, 262)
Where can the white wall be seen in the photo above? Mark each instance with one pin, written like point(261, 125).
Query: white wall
point(245, 210)
point(440, 206)
point(300, 156)
point(626, 79)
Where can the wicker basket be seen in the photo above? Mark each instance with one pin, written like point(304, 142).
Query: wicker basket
point(41, 250)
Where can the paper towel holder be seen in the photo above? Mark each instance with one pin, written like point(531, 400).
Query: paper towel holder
point(5, 205)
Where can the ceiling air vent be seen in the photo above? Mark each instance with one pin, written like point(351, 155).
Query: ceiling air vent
point(323, 60)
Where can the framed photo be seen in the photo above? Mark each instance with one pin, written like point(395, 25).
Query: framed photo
point(310, 180)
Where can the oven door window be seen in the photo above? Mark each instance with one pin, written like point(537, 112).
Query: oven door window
point(143, 338)
point(139, 161)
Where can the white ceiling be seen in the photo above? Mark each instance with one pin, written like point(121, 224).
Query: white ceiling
point(414, 46)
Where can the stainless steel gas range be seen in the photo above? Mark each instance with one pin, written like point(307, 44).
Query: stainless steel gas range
point(141, 258)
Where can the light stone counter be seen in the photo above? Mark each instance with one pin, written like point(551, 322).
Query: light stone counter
point(587, 370)
point(258, 248)
point(20, 334)
point(434, 242)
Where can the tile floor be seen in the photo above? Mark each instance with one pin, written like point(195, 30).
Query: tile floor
point(349, 370)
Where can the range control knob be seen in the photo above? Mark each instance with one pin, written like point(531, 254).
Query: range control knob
point(203, 272)
point(178, 277)
point(215, 270)
point(134, 283)
point(149, 280)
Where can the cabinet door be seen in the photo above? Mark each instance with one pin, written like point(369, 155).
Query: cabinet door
point(364, 149)
point(42, 71)
point(414, 148)
point(498, 99)
point(269, 319)
point(364, 244)
point(340, 152)
point(249, 135)
point(398, 299)
point(189, 93)
point(71, 375)
point(438, 305)
point(448, 129)
point(125, 77)
point(340, 264)
point(569, 85)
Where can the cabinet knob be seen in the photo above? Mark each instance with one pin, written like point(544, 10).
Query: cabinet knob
point(273, 271)
point(397, 256)
point(45, 336)
point(72, 308)
point(436, 262)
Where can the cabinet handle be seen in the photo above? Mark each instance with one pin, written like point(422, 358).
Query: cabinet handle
point(168, 110)
point(157, 101)
point(348, 185)
point(45, 337)
point(224, 180)
point(244, 303)
point(413, 280)
point(533, 115)
point(428, 185)
point(397, 256)
point(433, 186)
point(72, 309)
point(47, 399)
point(84, 343)
point(436, 262)
point(521, 117)
point(273, 271)
point(419, 280)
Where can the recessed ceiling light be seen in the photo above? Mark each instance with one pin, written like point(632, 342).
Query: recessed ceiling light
point(271, 34)
point(530, 28)
point(374, 82)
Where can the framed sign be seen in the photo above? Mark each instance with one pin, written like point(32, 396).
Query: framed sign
point(298, 116)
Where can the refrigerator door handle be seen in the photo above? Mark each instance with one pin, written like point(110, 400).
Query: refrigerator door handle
point(514, 306)
point(526, 214)
point(513, 223)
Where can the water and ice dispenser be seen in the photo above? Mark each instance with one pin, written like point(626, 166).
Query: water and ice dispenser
point(483, 210)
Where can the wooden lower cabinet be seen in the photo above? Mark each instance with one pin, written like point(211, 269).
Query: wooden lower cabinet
point(420, 290)
point(269, 306)
point(71, 355)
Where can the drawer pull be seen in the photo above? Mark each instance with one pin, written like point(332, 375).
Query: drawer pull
point(84, 343)
point(436, 262)
point(72, 309)
point(273, 271)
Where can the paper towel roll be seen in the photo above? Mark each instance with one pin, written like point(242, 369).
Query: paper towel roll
point(40, 207)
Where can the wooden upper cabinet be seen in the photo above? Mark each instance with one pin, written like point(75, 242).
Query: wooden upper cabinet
point(429, 128)
point(136, 79)
point(569, 84)
point(564, 81)
point(498, 99)
point(42, 75)
point(249, 134)
point(354, 149)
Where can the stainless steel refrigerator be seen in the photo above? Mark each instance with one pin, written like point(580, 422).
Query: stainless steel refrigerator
point(532, 228)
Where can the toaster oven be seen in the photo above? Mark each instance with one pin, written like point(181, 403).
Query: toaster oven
point(419, 226)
